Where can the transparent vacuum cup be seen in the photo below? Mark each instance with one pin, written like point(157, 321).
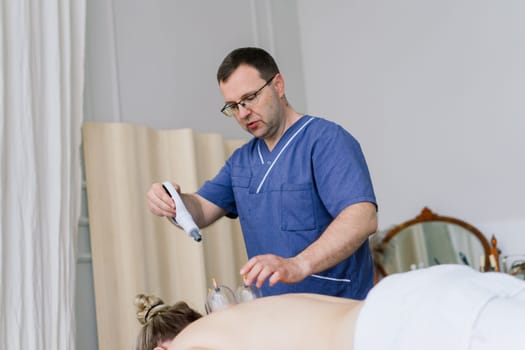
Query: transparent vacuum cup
point(247, 292)
point(219, 297)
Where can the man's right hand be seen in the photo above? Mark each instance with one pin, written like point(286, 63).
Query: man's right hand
point(159, 201)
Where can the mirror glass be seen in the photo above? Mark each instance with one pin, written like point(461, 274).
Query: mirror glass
point(432, 243)
point(430, 239)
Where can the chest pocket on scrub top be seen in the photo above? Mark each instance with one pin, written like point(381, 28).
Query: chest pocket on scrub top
point(240, 177)
point(297, 207)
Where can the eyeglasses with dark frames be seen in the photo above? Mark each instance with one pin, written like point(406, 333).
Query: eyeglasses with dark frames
point(232, 109)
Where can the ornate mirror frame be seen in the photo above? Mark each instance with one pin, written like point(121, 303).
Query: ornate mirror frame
point(426, 215)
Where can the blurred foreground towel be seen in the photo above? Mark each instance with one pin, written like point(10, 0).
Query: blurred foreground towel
point(443, 307)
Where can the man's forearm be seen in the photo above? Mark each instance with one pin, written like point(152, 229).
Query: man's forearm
point(341, 238)
point(204, 212)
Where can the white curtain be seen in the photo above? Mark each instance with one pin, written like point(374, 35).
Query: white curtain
point(41, 80)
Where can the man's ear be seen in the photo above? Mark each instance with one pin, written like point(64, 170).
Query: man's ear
point(279, 84)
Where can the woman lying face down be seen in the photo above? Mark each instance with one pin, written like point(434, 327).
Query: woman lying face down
point(287, 322)
point(468, 309)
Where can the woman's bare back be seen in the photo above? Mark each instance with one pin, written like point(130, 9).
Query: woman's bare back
point(287, 322)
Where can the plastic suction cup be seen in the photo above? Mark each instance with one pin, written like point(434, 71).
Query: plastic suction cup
point(219, 297)
point(246, 293)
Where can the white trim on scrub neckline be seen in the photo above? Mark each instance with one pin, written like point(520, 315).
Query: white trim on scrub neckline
point(279, 154)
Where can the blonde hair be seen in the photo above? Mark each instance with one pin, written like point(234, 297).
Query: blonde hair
point(160, 322)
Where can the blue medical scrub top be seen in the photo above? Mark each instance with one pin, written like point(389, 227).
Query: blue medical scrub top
point(286, 198)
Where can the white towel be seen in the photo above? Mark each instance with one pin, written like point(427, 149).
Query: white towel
point(443, 307)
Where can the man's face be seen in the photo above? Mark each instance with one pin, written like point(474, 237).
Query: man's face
point(262, 116)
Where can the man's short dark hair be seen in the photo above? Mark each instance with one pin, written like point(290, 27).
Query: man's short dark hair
point(251, 56)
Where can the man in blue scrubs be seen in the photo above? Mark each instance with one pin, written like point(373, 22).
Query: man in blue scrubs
point(300, 187)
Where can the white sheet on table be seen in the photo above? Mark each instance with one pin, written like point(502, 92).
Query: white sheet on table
point(442, 307)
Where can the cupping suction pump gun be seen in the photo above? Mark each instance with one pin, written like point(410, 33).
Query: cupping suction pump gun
point(183, 218)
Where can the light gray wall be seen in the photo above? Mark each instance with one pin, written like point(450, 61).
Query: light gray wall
point(154, 62)
point(433, 90)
